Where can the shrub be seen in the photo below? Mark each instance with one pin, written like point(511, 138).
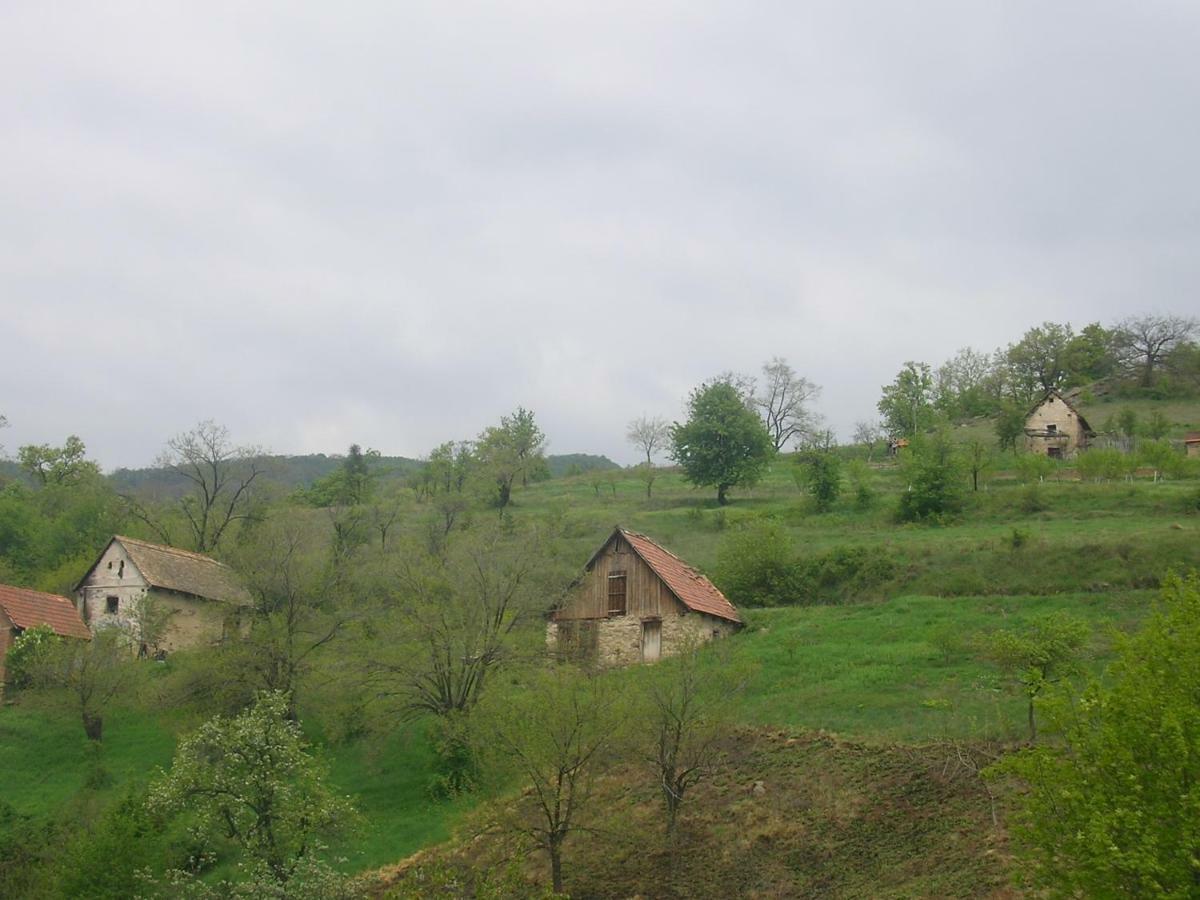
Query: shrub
point(935, 482)
point(820, 475)
point(843, 573)
point(756, 565)
point(29, 651)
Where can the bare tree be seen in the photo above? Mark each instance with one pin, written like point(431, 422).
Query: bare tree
point(783, 402)
point(687, 715)
point(454, 616)
point(649, 434)
point(553, 731)
point(293, 587)
point(867, 434)
point(1143, 342)
point(220, 478)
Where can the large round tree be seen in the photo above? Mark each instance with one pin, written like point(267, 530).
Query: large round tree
point(722, 444)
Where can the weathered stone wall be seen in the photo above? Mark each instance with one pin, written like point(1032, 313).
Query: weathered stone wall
point(619, 639)
point(1054, 425)
point(193, 621)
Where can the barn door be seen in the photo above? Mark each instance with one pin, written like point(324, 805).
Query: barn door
point(651, 640)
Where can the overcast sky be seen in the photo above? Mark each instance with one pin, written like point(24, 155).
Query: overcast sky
point(391, 223)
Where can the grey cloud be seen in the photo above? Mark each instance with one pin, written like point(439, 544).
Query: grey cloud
point(392, 223)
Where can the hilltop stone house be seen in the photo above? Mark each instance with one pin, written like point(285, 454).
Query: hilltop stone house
point(205, 601)
point(21, 608)
point(1191, 444)
point(637, 602)
point(1056, 429)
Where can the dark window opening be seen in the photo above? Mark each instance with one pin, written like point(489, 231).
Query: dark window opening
point(111, 604)
point(1052, 428)
point(110, 563)
point(1054, 452)
point(616, 594)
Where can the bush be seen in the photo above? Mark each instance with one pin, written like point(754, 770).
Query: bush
point(27, 653)
point(935, 482)
point(843, 573)
point(820, 476)
point(756, 565)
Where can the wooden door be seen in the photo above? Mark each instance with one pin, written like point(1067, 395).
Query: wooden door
point(651, 640)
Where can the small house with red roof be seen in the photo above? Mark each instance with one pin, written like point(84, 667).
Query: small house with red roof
point(636, 602)
point(21, 608)
point(1191, 444)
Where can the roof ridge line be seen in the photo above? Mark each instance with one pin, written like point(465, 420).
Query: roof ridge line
point(167, 548)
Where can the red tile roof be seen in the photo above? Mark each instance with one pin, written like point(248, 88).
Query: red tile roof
point(28, 609)
point(1192, 437)
point(693, 590)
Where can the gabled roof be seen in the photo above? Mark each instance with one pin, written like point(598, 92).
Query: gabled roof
point(28, 609)
point(693, 590)
point(1192, 437)
point(1069, 405)
point(172, 569)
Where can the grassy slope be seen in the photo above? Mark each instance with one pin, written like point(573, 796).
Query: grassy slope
point(786, 815)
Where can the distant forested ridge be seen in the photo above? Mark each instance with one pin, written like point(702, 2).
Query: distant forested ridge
point(301, 471)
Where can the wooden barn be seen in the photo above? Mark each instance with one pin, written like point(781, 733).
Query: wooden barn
point(636, 602)
point(1055, 428)
point(21, 608)
point(205, 601)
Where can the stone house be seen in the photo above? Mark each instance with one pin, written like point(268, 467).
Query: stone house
point(636, 602)
point(204, 601)
point(1191, 444)
point(1056, 429)
point(21, 608)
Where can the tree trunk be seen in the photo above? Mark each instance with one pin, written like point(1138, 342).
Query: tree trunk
point(556, 865)
point(1032, 723)
point(93, 726)
point(721, 499)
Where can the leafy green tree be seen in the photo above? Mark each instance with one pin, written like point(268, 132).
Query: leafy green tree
point(1089, 356)
point(907, 403)
point(514, 450)
point(250, 782)
point(63, 465)
point(934, 469)
point(1157, 426)
point(1010, 426)
point(961, 385)
point(723, 444)
point(1040, 357)
point(979, 460)
point(1038, 656)
point(821, 475)
point(1111, 810)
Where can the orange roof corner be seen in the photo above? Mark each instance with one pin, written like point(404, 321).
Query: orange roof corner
point(693, 590)
point(29, 609)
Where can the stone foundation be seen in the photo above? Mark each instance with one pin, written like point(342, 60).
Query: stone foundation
point(618, 639)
